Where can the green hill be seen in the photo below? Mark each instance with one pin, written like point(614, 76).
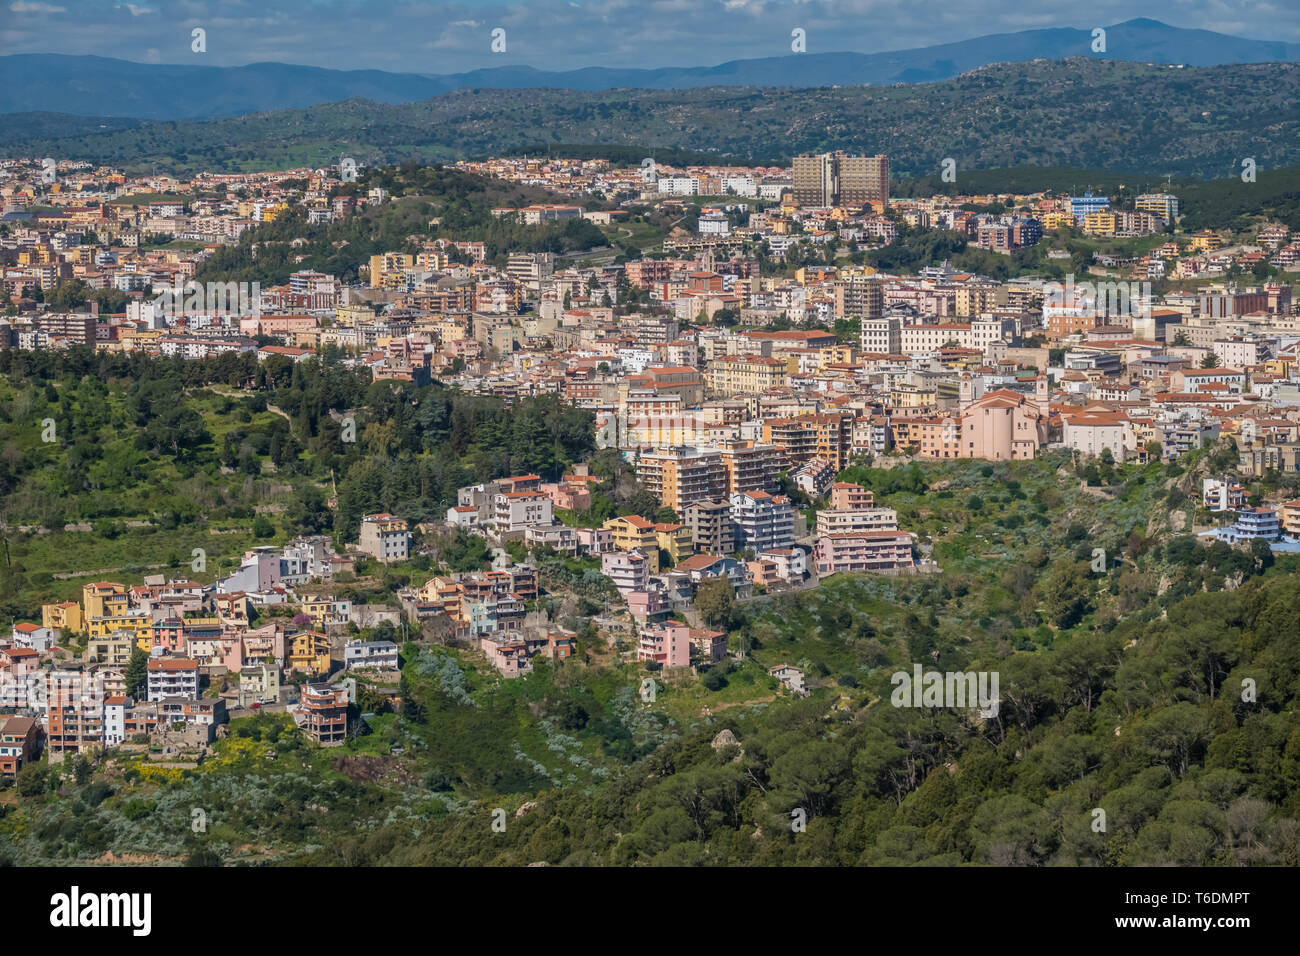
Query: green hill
point(1081, 113)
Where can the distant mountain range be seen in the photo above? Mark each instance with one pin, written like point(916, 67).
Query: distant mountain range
point(1079, 113)
point(105, 87)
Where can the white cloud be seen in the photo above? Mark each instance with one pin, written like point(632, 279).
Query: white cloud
point(22, 7)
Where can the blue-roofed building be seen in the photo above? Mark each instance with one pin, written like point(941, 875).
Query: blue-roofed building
point(1080, 206)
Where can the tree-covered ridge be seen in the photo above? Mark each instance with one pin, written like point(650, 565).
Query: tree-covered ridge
point(1079, 112)
point(429, 203)
point(184, 448)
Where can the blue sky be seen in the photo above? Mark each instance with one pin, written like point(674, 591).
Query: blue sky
point(449, 37)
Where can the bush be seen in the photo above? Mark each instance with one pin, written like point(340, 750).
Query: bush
point(714, 680)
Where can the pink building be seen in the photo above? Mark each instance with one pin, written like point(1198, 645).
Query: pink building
point(509, 657)
point(647, 605)
point(668, 643)
point(629, 570)
point(864, 551)
point(847, 496)
point(595, 540)
point(1003, 425)
point(168, 635)
point(570, 496)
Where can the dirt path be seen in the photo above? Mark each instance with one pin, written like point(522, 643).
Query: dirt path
point(236, 393)
point(709, 711)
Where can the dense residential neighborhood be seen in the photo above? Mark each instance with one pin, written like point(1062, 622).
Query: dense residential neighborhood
point(736, 386)
point(501, 438)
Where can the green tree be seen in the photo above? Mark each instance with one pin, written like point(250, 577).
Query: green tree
point(715, 600)
point(137, 672)
point(1067, 593)
point(33, 780)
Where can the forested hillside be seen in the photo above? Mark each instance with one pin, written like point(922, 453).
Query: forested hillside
point(1079, 112)
point(154, 457)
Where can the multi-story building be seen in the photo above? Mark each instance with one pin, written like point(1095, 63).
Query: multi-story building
point(325, 609)
point(384, 538)
point(850, 495)
point(838, 179)
point(309, 652)
point(814, 477)
point(762, 521)
point(859, 295)
point(323, 713)
point(863, 551)
point(103, 599)
point(804, 437)
point(1289, 517)
point(629, 570)
point(377, 654)
point(66, 617)
point(680, 476)
point(73, 711)
point(711, 529)
point(113, 650)
point(1222, 494)
point(635, 533)
point(750, 466)
point(745, 374)
point(259, 684)
point(1160, 204)
point(667, 642)
point(855, 520)
point(20, 743)
point(673, 539)
point(172, 677)
point(516, 511)
point(883, 336)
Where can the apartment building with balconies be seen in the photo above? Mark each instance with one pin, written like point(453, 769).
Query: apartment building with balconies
point(762, 521)
point(322, 712)
point(864, 551)
point(711, 529)
point(172, 677)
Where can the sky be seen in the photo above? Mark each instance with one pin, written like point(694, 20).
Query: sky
point(455, 36)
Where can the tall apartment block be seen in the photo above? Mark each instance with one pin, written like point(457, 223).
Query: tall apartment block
point(837, 179)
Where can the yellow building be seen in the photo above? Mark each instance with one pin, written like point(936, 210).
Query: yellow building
point(1206, 241)
point(309, 651)
point(674, 539)
point(103, 599)
point(140, 340)
point(1280, 367)
point(448, 593)
point(633, 531)
point(747, 374)
point(1100, 223)
point(971, 300)
point(66, 617)
point(324, 609)
point(136, 621)
point(912, 396)
point(1055, 220)
point(354, 315)
point(387, 269)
